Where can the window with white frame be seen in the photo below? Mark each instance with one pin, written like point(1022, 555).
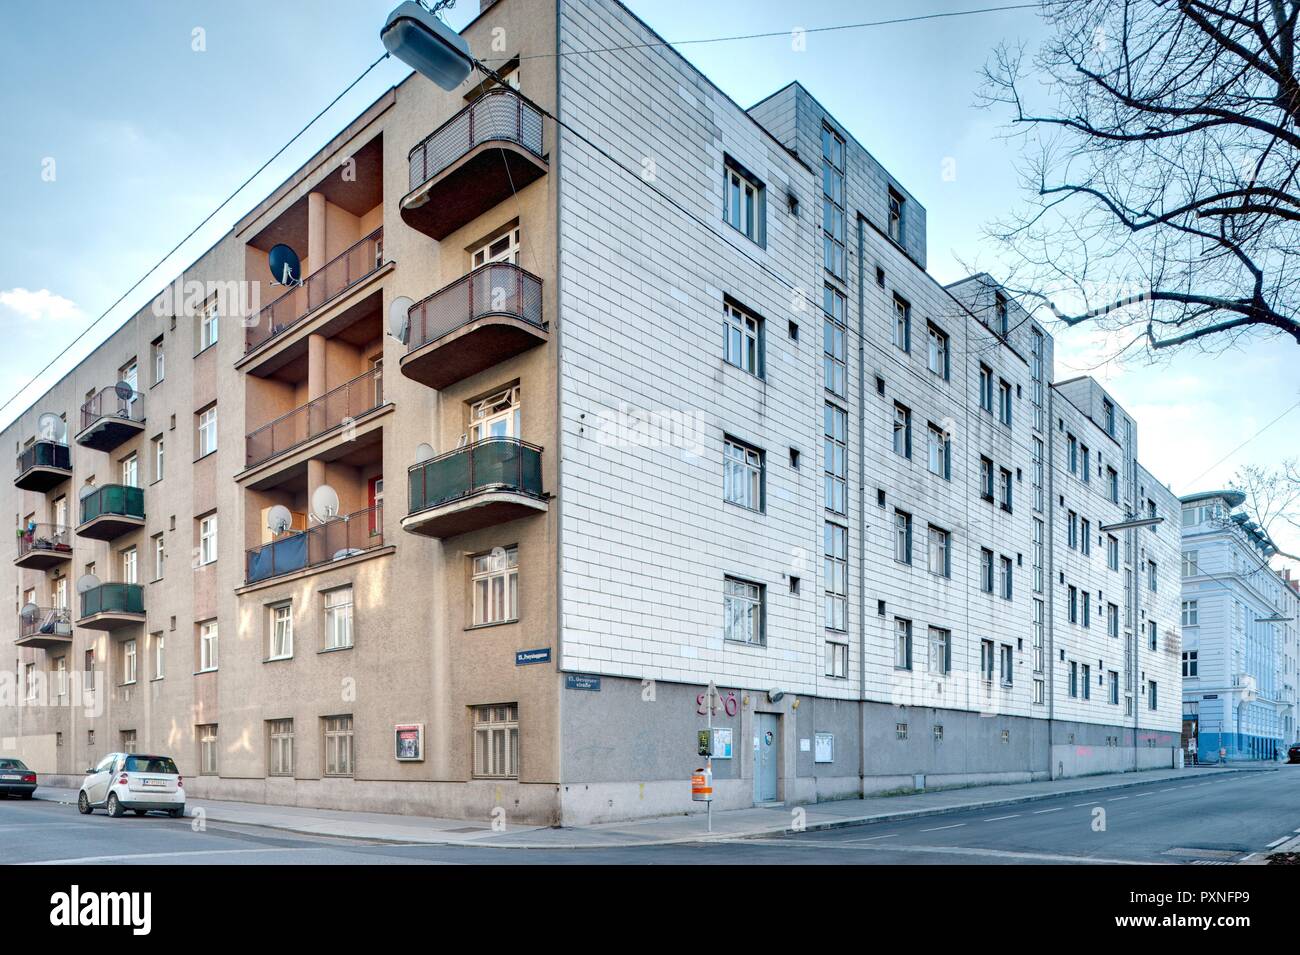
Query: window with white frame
point(1008, 665)
point(1113, 679)
point(902, 324)
point(498, 416)
point(159, 656)
point(338, 617)
point(130, 566)
point(1151, 695)
point(835, 342)
point(159, 458)
point(131, 470)
point(937, 354)
point(986, 388)
point(281, 642)
point(504, 248)
point(895, 229)
point(31, 681)
point(208, 646)
point(938, 447)
point(832, 201)
point(742, 201)
point(742, 611)
point(836, 453)
point(1112, 552)
point(902, 430)
point(988, 660)
point(159, 556)
point(1191, 613)
point(1191, 665)
point(496, 586)
point(986, 478)
point(61, 676)
point(940, 650)
point(337, 731)
point(208, 324)
point(207, 431)
point(128, 661)
point(279, 748)
point(496, 741)
point(836, 572)
point(207, 736)
point(1112, 620)
point(742, 475)
point(1004, 402)
point(1004, 489)
point(1005, 572)
point(902, 537)
point(902, 644)
point(937, 553)
point(742, 338)
point(986, 570)
point(837, 659)
point(1191, 563)
point(159, 362)
point(207, 539)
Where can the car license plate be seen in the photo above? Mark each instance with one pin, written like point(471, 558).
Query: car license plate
point(7, 777)
point(154, 782)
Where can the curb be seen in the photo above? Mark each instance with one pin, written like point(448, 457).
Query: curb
point(825, 825)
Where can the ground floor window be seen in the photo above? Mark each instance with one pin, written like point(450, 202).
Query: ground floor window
point(837, 659)
point(496, 740)
point(280, 750)
point(338, 746)
point(207, 734)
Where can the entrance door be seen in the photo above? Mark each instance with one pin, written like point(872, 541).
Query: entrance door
point(767, 739)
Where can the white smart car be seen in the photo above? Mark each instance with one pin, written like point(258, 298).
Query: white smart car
point(134, 781)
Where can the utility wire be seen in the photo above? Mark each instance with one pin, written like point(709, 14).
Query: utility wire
point(210, 216)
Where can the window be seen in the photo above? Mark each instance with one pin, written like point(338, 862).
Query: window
point(742, 338)
point(837, 659)
point(1073, 604)
point(987, 660)
point(281, 632)
point(1001, 320)
point(742, 611)
point(902, 644)
point(902, 536)
point(1191, 563)
point(131, 470)
point(1008, 666)
point(159, 364)
point(1004, 489)
point(937, 356)
point(1040, 691)
point(1153, 635)
point(896, 227)
point(279, 750)
point(743, 200)
point(1004, 578)
point(1038, 473)
point(207, 734)
point(207, 431)
point(742, 475)
point(496, 586)
point(1085, 468)
point(30, 681)
point(1087, 608)
point(1151, 694)
point(159, 556)
point(938, 446)
point(902, 324)
point(159, 656)
point(1112, 679)
point(208, 539)
point(986, 570)
point(159, 458)
point(940, 645)
point(1190, 613)
point(128, 661)
point(832, 201)
point(1072, 533)
point(207, 646)
point(1108, 416)
point(208, 319)
point(496, 741)
point(1112, 552)
point(1085, 536)
point(1074, 679)
point(1086, 677)
point(1112, 620)
point(130, 566)
point(1190, 664)
point(1072, 449)
point(835, 342)
point(1039, 614)
point(986, 388)
point(837, 459)
point(338, 746)
point(902, 430)
point(497, 416)
point(836, 571)
point(986, 478)
point(503, 248)
point(1112, 484)
point(338, 618)
point(1004, 402)
point(61, 676)
point(1151, 575)
point(938, 552)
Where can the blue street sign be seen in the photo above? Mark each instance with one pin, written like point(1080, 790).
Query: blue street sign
point(582, 681)
point(525, 657)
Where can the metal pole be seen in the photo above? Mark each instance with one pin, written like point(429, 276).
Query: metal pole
point(708, 766)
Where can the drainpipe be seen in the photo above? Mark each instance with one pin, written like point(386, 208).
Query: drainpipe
point(862, 529)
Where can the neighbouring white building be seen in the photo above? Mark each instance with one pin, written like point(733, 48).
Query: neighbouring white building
point(1239, 633)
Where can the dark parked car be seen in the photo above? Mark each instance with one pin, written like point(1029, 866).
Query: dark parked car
point(1293, 754)
point(15, 778)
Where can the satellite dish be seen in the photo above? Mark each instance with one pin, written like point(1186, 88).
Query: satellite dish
point(124, 391)
point(278, 519)
point(29, 612)
point(286, 268)
point(427, 45)
point(86, 491)
point(87, 582)
point(324, 503)
point(423, 452)
point(50, 427)
point(399, 318)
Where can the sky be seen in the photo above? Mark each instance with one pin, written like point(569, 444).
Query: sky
point(125, 124)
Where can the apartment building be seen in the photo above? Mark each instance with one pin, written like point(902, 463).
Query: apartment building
point(1239, 633)
point(664, 397)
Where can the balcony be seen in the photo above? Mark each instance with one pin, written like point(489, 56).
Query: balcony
point(47, 629)
point(325, 286)
point(43, 466)
point(108, 420)
point(111, 511)
point(487, 483)
point(42, 546)
point(341, 406)
point(348, 536)
point(489, 315)
point(110, 606)
point(477, 159)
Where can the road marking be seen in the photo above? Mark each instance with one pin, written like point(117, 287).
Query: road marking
point(1016, 815)
point(198, 852)
point(1117, 799)
point(1277, 842)
point(892, 835)
point(1140, 795)
point(937, 828)
point(1169, 790)
point(950, 850)
point(1249, 857)
point(1039, 812)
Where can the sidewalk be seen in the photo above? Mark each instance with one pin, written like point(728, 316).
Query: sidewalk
point(662, 830)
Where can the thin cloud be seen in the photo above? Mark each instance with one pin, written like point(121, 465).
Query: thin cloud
point(41, 306)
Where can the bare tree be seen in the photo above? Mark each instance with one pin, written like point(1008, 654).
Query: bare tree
point(1162, 141)
point(1272, 497)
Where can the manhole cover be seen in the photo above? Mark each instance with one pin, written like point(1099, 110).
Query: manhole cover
point(1197, 853)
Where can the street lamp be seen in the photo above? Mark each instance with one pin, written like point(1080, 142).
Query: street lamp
point(1131, 522)
point(1274, 618)
point(419, 39)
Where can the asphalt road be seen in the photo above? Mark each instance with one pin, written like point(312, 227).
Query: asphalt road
point(1198, 820)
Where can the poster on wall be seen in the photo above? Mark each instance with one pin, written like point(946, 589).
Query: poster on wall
point(408, 742)
point(824, 748)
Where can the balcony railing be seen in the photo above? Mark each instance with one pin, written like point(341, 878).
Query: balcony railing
point(498, 288)
point(109, 404)
point(496, 116)
point(324, 285)
point(494, 464)
point(45, 454)
point(44, 538)
point(45, 622)
point(349, 400)
point(117, 500)
point(342, 537)
point(112, 598)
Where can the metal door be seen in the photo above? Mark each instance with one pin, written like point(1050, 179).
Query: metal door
point(767, 739)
